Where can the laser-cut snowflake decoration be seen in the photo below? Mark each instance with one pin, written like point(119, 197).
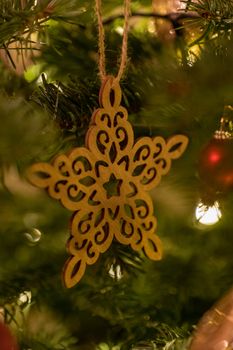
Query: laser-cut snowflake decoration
point(105, 184)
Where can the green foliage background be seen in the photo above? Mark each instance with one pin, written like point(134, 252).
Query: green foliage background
point(175, 86)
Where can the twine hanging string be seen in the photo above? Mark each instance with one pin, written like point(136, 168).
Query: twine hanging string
point(124, 48)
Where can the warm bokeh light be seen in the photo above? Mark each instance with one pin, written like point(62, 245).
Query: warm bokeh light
point(214, 157)
point(208, 215)
point(115, 272)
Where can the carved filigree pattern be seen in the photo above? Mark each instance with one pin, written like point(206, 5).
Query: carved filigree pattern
point(105, 185)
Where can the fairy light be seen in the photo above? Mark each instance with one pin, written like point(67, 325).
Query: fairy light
point(119, 30)
point(25, 297)
point(115, 272)
point(208, 215)
point(33, 236)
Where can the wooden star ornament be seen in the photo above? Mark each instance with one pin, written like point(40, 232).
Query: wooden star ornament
point(105, 184)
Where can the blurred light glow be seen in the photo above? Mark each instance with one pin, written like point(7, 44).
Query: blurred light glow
point(119, 30)
point(115, 272)
point(151, 27)
point(25, 297)
point(33, 236)
point(40, 79)
point(31, 219)
point(215, 157)
point(208, 215)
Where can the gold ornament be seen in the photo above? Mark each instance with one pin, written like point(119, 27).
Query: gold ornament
point(105, 185)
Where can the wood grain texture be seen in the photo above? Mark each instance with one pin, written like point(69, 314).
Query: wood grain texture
point(105, 184)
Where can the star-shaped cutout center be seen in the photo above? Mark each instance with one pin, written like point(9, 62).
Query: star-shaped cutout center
point(113, 186)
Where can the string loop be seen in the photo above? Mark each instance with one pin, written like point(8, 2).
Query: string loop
point(101, 41)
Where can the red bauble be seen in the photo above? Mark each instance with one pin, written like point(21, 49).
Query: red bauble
point(216, 165)
point(7, 341)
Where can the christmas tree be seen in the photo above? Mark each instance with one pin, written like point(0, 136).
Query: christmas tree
point(176, 84)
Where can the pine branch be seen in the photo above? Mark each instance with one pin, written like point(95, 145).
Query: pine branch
point(65, 104)
point(216, 18)
point(71, 105)
point(212, 16)
point(171, 17)
point(20, 19)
